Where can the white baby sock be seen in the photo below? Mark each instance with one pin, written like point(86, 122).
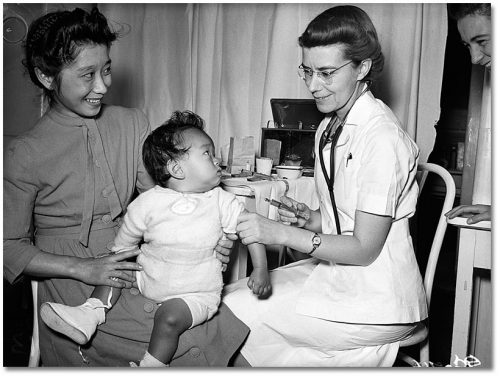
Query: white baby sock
point(150, 361)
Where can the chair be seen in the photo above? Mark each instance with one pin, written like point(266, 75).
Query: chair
point(34, 359)
point(420, 335)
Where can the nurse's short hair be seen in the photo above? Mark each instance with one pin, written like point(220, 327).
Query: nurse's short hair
point(350, 27)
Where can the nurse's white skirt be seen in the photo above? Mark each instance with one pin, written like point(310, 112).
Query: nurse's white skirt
point(279, 337)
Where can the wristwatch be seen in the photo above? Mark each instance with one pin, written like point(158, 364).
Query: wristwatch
point(316, 241)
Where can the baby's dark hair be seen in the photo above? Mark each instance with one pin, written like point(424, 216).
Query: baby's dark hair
point(54, 40)
point(166, 143)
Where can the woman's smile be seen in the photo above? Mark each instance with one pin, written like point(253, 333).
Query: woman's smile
point(318, 98)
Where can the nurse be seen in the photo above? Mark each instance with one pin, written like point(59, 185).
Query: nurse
point(360, 292)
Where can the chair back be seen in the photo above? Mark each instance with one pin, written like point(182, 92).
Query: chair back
point(449, 198)
point(421, 334)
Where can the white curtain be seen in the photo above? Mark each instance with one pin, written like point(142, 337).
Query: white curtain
point(226, 61)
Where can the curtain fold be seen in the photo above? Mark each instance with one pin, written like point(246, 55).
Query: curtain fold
point(226, 61)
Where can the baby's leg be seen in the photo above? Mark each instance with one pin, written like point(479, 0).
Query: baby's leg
point(172, 318)
point(107, 295)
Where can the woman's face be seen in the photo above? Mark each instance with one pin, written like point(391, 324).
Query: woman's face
point(333, 96)
point(200, 167)
point(475, 31)
point(82, 84)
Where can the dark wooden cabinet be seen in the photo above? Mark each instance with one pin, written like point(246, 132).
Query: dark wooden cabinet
point(293, 141)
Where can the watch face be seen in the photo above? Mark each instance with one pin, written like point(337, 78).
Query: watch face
point(316, 240)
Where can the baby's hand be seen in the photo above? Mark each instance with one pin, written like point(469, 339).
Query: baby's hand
point(260, 282)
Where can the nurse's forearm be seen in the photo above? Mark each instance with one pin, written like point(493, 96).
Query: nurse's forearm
point(362, 248)
point(342, 249)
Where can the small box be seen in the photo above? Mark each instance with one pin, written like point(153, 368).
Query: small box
point(241, 154)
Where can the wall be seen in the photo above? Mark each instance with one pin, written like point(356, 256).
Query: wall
point(21, 98)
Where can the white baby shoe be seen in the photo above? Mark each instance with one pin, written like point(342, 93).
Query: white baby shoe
point(78, 323)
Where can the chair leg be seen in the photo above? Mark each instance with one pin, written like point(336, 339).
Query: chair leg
point(34, 358)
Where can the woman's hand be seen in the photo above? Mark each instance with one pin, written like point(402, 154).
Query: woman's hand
point(476, 213)
point(260, 282)
point(254, 228)
point(303, 212)
point(110, 270)
point(223, 249)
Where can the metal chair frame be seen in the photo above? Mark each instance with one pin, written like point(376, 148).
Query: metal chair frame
point(420, 336)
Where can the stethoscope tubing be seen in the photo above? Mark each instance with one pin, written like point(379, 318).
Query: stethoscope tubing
point(330, 178)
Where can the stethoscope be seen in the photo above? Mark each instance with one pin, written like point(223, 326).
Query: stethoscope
point(326, 139)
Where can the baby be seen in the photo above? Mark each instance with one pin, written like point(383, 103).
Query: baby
point(180, 221)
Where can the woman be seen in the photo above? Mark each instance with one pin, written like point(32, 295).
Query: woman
point(361, 292)
point(67, 183)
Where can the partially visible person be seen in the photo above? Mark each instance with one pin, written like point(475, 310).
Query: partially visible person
point(474, 26)
point(180, 220)
point(67, 183)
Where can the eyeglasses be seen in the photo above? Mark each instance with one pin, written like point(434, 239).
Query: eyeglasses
point(326, 76)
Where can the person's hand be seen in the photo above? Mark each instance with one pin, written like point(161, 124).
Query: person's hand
point(259, 282)
point(110, 270)
point(476, 213)
point(303, 212)
point(254, 228)
point(223, 249)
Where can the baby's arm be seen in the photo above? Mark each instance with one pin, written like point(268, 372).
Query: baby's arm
point(259, 281)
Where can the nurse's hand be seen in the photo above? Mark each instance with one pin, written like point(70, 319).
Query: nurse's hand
point(254, 228)
point(300, 217)
point(111, 270)
point(223, 249)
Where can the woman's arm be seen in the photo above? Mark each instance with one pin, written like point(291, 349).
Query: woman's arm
point(92, 271)
point(362, 248)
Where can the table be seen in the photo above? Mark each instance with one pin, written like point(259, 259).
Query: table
point(474, 251)
point(253, 195)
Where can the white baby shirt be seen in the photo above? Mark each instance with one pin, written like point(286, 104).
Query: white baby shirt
point(180, 233)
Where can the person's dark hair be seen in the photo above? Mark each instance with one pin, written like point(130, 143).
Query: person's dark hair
point(55, 40)
point(351, 27)
point(167, 143)
point(461, 10)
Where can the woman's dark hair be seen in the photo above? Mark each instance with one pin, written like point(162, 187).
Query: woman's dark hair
point(167, 143)
point(350, 26)
point(462, 10)
point(55, 40)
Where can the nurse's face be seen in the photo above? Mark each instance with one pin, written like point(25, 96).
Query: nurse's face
point(475, 31)
point(330, 94)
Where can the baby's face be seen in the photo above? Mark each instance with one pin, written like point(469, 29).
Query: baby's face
point(201, 169)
